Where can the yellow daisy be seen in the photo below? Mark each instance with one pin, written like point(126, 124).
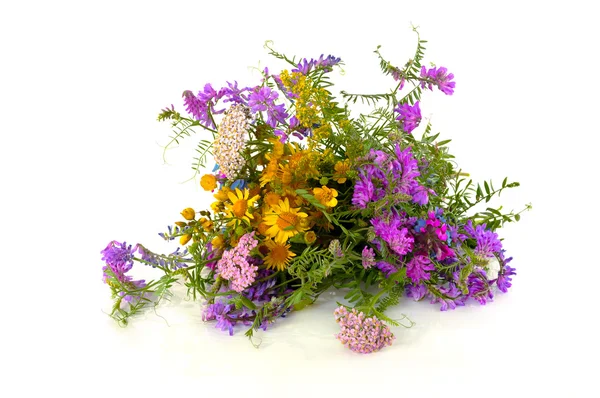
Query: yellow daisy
point(279, 255)
point(272, 199)
point(240, 205)
point(284, 221)
point(327, 196)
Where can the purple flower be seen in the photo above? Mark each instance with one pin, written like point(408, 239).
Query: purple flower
point(387, 227)
point(326, 64)
point(262, 291)
point(479, 287)
point(487, 240)
point(220, 312)
point(276, 114)
point(409, 116)
point(262, 99)
point(386, 268)
point(439, 77)
point(432, 236)
point(417, 292)
point(504, 280)
point(364, 192)
point(201, 106)
point(368, 257)
point(451, 298)
point(417, 267)
point(119, 259)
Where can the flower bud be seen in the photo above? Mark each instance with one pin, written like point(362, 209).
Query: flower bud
point(188, 214)
point(185, 239)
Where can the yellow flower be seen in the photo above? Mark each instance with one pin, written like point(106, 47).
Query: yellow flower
point(327, 196)
point(208, 182)
point(221, 196)
point(218, 242)
point(240, 205)
point(272, 199)
point(310, 237)
point(184, 239)
point(279, 255)
point(341, 168)
point(284, 221)
point(217, 207)
point(206, 224)
point(188, 213)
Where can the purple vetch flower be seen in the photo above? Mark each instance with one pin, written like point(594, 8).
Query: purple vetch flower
point(487, 240)
point(220, 312)
point(261, 99)
point(261, 291)
point(386, 268)
point(451, 298)
point(479, 287)
point(364, 191)
point(504, 281)
point(368, 257)
point(388, 227)
point(276, 114)
point(119, 259)
point(417, 292)
point(328, 62)
point(409, 116)
point(432, 236)
point(202, 105)
point(417, 268)
point(439, 77)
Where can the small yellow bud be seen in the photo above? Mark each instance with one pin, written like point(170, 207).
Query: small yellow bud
point(310, 237)
point(180, 224)
point(218, 242)
point(208, 182)
point(221, 195)
point(188, 214)
point(185, 239)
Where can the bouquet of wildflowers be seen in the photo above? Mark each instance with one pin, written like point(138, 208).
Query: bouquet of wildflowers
point(308, 198)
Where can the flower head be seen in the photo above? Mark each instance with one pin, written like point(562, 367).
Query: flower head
point(279, 255)
point(208, 182)
point(360, 333)
point(235, 266)
point(231, 141)
point(409, 116)
point(438, 77)
point(239, 208)
point(326, 196)
point(284, 221)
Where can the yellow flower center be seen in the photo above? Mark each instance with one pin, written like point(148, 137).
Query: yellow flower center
point(286, 220)
point(240, 207)
point(326, 195)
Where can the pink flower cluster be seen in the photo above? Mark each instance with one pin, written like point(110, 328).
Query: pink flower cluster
point(234, 266)
point(361, 334)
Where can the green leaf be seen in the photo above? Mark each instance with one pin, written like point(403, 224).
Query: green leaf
point(247, 303)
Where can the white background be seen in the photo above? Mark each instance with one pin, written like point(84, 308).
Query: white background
point(81, 84)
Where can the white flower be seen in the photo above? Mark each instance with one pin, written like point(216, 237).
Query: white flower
point(492, 268)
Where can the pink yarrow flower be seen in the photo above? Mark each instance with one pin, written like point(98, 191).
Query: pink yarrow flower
point(361, 334)
point(234, 265)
